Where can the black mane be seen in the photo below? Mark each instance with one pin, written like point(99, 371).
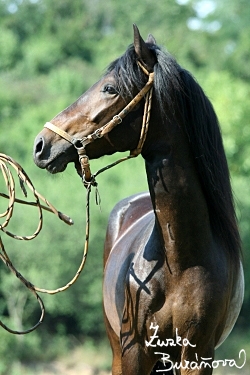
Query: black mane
point(175, 87)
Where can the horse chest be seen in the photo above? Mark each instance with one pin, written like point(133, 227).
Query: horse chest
point(132, 270)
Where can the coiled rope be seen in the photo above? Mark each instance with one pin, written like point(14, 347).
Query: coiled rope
point(25, 180)
point(5, 162)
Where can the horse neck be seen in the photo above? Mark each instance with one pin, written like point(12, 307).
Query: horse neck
point(180, 208)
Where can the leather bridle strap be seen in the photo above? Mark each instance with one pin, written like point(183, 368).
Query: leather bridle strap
point(117, 119)
point(81, 143)
point(59, 131)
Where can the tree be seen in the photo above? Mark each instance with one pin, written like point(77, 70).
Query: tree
point(225, 35)
point(51, 52)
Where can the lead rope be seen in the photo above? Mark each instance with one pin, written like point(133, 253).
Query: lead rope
point(10, 184)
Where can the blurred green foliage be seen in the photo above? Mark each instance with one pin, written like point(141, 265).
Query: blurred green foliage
point(50, 53)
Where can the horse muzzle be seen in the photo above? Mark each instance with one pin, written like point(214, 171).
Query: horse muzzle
point(54, 158)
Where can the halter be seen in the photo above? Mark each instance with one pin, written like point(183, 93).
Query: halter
point(81, 143)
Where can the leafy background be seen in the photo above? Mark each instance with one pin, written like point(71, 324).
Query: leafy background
point(50, 53)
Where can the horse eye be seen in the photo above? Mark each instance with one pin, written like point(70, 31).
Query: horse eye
point(110, 89)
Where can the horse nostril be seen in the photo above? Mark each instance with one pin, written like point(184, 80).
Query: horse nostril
point(39, 146)
point(39, 152)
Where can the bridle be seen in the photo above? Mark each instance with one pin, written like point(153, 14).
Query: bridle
point(81, 143)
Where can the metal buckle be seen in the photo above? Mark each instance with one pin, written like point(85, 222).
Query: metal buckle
point(96, 134)
point(117, 117)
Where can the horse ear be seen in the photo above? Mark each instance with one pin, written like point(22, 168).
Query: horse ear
point(143, 52)
point(150, 39)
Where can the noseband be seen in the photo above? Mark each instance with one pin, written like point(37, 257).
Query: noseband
point(81, 143)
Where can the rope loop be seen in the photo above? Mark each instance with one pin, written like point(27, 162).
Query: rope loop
point(7, 215)
point(24, 179)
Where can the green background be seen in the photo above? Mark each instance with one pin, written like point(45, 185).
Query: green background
point(50, 53)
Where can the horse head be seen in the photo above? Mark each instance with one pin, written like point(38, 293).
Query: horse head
point(93, 110)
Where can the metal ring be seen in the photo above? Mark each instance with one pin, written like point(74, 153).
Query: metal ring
point(76, 141)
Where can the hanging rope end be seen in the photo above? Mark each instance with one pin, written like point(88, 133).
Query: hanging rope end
point(65, 218)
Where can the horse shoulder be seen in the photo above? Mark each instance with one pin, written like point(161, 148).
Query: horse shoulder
point(123, 216)
point(236, 301)
point(130, 224)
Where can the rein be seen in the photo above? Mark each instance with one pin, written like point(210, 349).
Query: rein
point(81, 143)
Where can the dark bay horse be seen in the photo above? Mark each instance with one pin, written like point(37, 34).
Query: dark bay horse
point(173, 281)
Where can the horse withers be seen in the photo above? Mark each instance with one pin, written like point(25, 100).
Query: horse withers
point(173, 281)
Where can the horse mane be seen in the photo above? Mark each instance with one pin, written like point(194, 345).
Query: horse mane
point(175, 87)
